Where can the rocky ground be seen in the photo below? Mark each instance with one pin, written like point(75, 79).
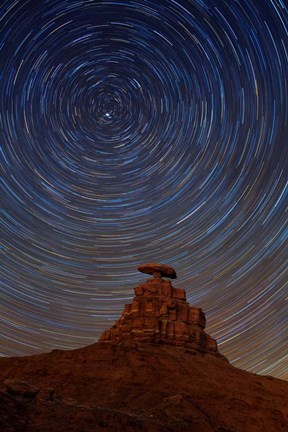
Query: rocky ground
point(142, 387)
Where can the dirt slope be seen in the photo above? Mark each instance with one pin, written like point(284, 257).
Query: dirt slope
point(137, 387)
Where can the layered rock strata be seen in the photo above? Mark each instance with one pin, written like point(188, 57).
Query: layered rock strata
point(159, 313)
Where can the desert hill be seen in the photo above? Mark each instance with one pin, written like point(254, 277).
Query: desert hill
point(155, 370)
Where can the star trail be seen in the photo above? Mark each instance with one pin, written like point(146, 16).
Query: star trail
point(139, 131)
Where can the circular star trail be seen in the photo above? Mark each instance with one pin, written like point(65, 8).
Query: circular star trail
point(138, 131)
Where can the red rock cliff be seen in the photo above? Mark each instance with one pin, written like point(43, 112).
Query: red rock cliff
point(159, 313)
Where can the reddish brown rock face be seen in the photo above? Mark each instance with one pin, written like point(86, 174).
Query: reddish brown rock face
point(158, 270)
point(159, 313)
point(177, 382)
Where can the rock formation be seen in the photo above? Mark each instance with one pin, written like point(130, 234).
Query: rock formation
point(152, 371)
point(159, 313)
point(158, 270)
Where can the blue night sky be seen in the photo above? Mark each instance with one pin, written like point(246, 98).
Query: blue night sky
point(139, 131)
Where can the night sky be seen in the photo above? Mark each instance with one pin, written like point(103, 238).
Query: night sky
point(139, 131)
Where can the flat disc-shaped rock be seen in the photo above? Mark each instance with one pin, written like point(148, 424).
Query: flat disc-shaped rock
point(157, 270)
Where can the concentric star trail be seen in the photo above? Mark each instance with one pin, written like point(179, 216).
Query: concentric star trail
point(139, 131)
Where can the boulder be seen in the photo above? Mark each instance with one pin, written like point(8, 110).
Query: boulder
point(20, 388)
point(158, 270)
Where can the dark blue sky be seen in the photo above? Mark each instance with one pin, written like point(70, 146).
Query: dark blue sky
point(138, 131)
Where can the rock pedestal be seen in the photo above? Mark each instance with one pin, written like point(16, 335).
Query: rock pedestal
point(159, 313)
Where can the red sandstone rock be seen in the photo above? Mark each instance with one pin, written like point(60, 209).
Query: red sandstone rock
point(158, 270)
point(139, 387)
point(159, 313)
point(20, 388)
point(180, 384)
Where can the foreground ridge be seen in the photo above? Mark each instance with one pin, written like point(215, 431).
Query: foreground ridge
point(159, 313)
